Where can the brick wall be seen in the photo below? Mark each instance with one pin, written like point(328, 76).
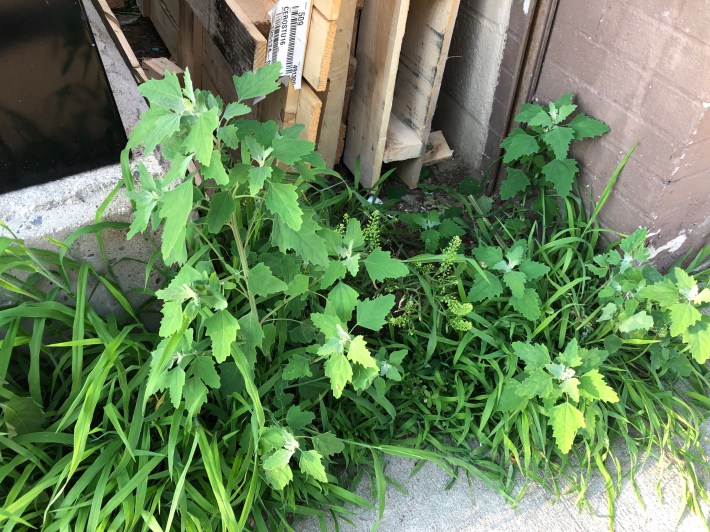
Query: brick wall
point(642, 66)
point(473, 72)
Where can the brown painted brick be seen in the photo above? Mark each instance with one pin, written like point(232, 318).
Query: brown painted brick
point(694, 160)
point(668, 109)
point(694, 19)
point(586, 16)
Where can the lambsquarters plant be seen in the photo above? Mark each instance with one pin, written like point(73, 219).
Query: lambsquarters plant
point(300, 338)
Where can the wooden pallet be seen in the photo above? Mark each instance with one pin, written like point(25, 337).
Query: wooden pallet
point(401, 54)
point(217, 39)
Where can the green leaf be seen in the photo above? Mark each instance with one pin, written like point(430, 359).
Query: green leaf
point(533, 270)
point(698, 339)
point(222, 328)
point(535, 356)
point(358, 353)
point(527, 112)
point(537, 384)
point(298, 367)
point(297, 419)
point(541, 119)
point(282, 201)
point(234, 110)
point(354, 237)
point(570, 387)
point(340, 373)
point(175, 209)
point(516, 283)
point(486, 286)
point(380, 266)
point(260, 83)
point(222, 207)
point(640, 321)
point(328, 445)
point(202, 367)
point(165, 92)
point(326, 323)
point(22, 416)
point(216, 169)
point(290, 150)
point(342, 301)
point(559, 140)
point(272, 438)
point(305, 242)
point(665, 292)
point(515, 183)
point(200, 140)
point(566, 420)
point(488, 256)
point(363, 379)
point(586, 127)
point(257, 177)
point(175, 382)
point(510, 400)
point(570, 357)
point(609, 312)
point(172, 318)
point(529, 305)
point(154, 127)
point(310, 463)
point(263, 283)
point(593, 386)
point(683, 316)
point(560, 173)
point(372, 313)
point(564, 111)
point(195, 394)
point(519, 144)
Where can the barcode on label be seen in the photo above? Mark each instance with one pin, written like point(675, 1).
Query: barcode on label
point(288, 36)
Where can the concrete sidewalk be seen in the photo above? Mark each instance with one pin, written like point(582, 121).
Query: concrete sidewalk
point(475, 507)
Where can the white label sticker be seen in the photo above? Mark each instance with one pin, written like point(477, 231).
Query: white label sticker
point(288, 37)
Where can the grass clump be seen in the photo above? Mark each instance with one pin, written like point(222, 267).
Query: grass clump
point(303, 336)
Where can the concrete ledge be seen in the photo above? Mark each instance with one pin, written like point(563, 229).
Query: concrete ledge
point(59, 208)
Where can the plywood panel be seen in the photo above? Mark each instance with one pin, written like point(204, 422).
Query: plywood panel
point(382, 26)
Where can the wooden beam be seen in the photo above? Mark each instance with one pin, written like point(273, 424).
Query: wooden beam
point(115, 28)
point(190, 45)
point(338, 79)
point(155, 67)
point(382, 25)
point(421, 68)
point(437, 149)
point(402, 142)
point(234, 34)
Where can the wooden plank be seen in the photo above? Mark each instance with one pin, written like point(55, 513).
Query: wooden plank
point(190, 46)
point(115, 28)
point(155, 67)
point(339, 77)
point(216, 72)
point(329, 8)
point(382, 26)
point(144, 7)
point(421, 68)
point(165, 24)
point(257, 11)
point(402, 143)
point(437, 149)
point(310, 107)
point(235, 36)
point(319, 52)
